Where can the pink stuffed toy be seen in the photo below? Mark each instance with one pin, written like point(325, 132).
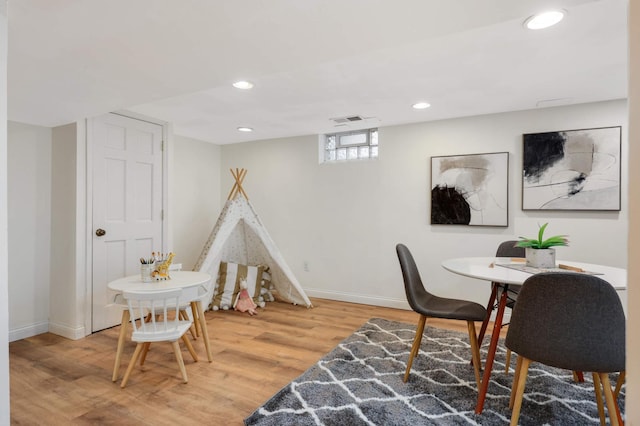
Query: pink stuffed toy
point(244, 302)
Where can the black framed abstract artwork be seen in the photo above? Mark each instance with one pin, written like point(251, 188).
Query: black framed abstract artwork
point(572, 170)
point(470, 189)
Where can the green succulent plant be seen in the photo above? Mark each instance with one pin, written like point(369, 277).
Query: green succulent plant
point(540, 243)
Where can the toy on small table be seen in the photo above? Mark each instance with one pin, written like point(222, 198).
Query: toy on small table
point(162, 268)
point(244, 302)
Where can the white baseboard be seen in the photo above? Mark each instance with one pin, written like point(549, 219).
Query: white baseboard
point(380, 301)
point(358, 298)
point(28, 331)
point(67, 331)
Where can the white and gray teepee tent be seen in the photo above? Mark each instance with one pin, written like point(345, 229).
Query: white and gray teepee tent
point(240, 237)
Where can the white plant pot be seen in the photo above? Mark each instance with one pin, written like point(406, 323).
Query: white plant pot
point(541, 258)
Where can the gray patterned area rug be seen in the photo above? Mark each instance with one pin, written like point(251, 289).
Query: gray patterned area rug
point(360, 383)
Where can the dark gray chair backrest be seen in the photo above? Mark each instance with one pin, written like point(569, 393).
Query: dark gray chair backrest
point(509, 249)
point(570, 321)
point(413, 286)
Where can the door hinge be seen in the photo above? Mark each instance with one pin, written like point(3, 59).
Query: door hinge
point(162, 214)
point(162, 146)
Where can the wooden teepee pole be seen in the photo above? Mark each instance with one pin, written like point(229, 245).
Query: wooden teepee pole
point(238, 175)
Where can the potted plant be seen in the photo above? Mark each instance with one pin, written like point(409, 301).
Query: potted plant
point(539, 252)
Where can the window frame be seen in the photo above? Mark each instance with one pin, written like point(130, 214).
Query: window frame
point(338, 145)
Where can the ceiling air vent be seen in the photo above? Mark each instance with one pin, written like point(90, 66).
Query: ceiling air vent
point(343, 120)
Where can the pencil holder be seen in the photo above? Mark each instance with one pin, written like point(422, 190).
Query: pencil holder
point(145, 272)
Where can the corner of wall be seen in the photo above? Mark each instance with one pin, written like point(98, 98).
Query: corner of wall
point(73, 333)
point(4, 285)
point(63, 293)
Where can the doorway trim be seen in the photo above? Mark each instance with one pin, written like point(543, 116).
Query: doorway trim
point(84, 204)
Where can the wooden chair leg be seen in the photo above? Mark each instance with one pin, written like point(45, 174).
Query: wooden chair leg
point(522, 378)
point(134, 358)
point(612, 406)
point(516, 377)
point(597, 386)
point(619, 384)
point(578, 376)
point(475, 351)
point(145, 351)
point(416, 345)
point(123, 332)
point(176, 350)
point(507, 362)
point(189, 346)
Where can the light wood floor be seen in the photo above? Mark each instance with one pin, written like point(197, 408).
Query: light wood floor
point(56, 381)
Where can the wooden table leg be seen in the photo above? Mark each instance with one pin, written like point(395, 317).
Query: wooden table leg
point(492, 301)
point(196, 320)
point(485, 322)
point(486, 376)
point(123, 332)
point(203, 327)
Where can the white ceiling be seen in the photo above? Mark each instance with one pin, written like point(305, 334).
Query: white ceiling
point(310, 60)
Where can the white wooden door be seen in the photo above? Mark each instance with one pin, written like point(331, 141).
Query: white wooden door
point(127, 204)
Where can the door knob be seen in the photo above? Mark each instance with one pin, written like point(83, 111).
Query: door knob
point(100, 232)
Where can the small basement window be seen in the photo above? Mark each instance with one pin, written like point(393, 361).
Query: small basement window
point(354, 145)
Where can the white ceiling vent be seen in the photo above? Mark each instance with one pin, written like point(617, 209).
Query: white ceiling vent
point(350, 119)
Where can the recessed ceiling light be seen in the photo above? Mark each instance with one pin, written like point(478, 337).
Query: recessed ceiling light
point(245, 129)
point(544, 19)
point(421, 105)
point(242, 84)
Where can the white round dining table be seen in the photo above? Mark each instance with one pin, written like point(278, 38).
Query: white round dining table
point(501, 269)
point(504, 271)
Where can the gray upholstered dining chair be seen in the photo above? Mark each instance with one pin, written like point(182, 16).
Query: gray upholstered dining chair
point(509, 249)
point(429, 305)
point(590, 336)
point(505, 249)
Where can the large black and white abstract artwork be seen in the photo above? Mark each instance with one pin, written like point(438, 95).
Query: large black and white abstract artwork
point(470, 189)
point(572, 170)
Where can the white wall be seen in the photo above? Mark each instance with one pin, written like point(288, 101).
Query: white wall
point(194, 196)
point(344, 220)
point(43, 199)
point(4, 288)
point(632, 411)
point(66, 304)
point(29, 205)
